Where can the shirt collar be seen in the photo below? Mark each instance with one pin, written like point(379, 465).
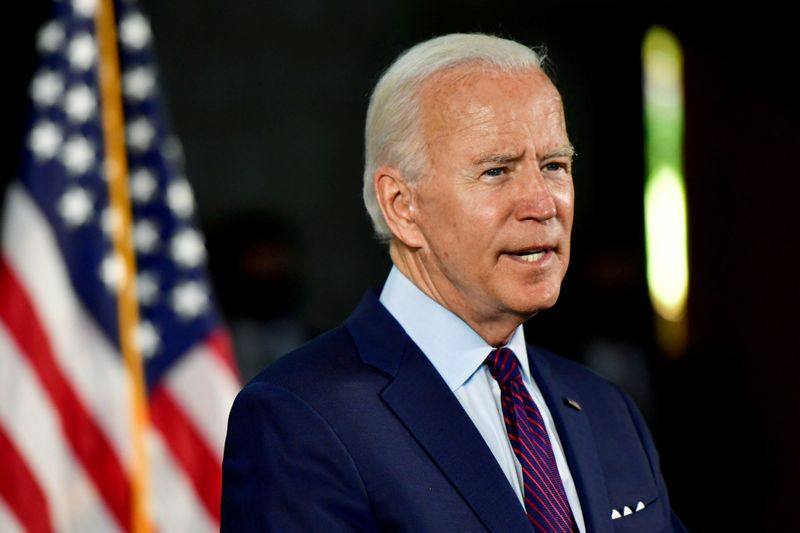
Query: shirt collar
point(454, 349)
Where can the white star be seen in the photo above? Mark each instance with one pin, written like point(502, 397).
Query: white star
point(147, 289)
point(189, 299)
point(179, 198)
point(75, 206)
point(110, 221)
point(84, 8)
point(134, 31)
point(145, 236)
point(50, 37)
point(46, 88)
point(45, 140)
point(77, 154)
point(147, 339)
point(172, 149)
point(113, 271)
point(80, 103)
point(140, 133)
point(187, 248)
point(138, 83)
point(82, 52)
point(143, 185)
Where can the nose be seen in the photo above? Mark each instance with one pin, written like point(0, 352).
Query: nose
point(535, 200)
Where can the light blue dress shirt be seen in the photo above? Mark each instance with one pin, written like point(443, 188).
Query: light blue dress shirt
point(458, 354)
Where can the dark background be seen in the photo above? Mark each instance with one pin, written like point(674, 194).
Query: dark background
point(269, 100)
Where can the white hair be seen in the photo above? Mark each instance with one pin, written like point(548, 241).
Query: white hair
point(392, 135)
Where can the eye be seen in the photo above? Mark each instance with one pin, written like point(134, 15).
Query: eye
point(495, 172)
point(557, 166)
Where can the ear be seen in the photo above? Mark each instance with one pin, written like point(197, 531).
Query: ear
point(396, 199)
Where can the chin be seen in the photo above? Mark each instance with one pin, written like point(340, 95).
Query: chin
point(540, 299)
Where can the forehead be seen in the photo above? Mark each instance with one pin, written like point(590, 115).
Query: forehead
point(474, 101)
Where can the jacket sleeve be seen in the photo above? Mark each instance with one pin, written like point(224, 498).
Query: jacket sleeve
point(285, 469)
point(652, 453)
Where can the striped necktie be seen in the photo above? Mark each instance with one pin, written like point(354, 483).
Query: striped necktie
point(545, 500)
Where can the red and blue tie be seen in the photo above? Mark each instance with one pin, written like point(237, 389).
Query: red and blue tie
point(545, 500)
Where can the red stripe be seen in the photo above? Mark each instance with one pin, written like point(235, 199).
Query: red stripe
point(553, 499)
point(542, 441)
point(19, 488)
point(518, 439)
point(189, 448)
point(221, 346)
point(537, 525)
point(531, 508)
point(557, 499)
point(550, 491)
point(87, 440)
point(546, 512)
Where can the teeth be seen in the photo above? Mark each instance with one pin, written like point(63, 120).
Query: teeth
point(531, 257)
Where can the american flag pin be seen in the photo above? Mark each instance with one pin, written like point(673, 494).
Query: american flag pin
point(573, 403)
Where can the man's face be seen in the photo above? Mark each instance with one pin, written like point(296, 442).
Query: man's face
point(495, 208)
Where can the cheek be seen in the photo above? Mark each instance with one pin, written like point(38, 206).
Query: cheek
point(564, 197)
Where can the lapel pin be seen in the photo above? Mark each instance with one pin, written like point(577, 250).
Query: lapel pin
point(573, 403)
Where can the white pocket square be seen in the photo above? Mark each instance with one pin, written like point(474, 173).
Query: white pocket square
point(615, 513)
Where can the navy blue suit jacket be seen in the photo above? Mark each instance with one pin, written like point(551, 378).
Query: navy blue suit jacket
point(356, 431)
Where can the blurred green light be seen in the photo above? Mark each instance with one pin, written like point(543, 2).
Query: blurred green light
point(665, 196)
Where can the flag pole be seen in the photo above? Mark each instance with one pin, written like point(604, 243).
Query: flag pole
point(127, 306)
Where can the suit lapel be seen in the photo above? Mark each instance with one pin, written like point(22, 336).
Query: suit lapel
point(578, 441)
point(420, 398)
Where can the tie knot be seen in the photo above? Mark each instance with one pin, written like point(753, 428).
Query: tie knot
point(503, 365)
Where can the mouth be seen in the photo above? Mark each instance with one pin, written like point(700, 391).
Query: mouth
point(532, 255)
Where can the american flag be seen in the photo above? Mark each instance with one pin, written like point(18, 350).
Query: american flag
point(116, 375)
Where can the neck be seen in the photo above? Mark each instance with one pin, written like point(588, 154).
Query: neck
point(494, 328)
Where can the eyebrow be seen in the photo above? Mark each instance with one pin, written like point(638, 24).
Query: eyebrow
point(504, 158)
point(498, 158)
point(566, 151)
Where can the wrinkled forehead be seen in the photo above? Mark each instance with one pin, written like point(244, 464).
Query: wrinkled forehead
point(466, 98)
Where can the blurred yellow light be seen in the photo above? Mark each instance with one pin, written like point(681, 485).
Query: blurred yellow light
point(665, 195)
point(667, 258)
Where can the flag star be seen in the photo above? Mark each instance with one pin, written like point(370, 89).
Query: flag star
point(179, 198)
point(143, 185)
point(80, 103)
point(189, 299)
point(84, 8)
point(46, 88)
point(82, 52)
point(140, 133)
point(45, 139)
point(147, 339)
point(77, 154)
point(111, 221)
point(138, 83)
point(50, 37)
point(113, 271)
point(188, 249)
point(75, 206)
point(145, 236)
point(134, 31)
point(147, 289)
point(172, 149)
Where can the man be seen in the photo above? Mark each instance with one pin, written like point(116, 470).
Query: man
point(426, 410)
